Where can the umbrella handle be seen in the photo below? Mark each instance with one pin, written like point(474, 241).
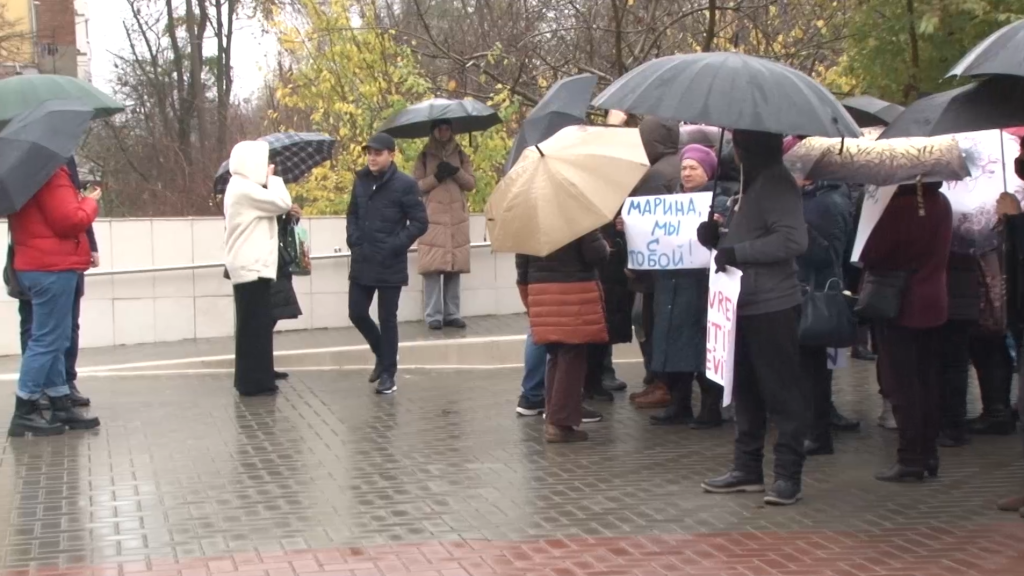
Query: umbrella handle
point(718, 159)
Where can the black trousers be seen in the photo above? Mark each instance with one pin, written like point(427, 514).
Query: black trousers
point(955, 362)
point(814, 366)
point(254, 338)
point(71, 353)
point(383, 339)
point(768, 382)
point(994, 365)
point(596, 355)
point(911, 378)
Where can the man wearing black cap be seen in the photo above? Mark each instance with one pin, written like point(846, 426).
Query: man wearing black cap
point(385, 217)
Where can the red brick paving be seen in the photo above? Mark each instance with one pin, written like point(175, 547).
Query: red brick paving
point(979, 550)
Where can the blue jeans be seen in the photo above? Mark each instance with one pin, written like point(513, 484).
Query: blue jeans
point(535, 363)
point(42, 365)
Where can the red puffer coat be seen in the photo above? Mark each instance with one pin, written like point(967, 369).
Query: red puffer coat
point(49, 231)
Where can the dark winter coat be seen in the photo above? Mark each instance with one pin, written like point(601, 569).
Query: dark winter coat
point(963, 283)
point(1013, 241)
point(828, 213)
point(679, 336)
point(385, 217)
point(562, 293)
point(284, 304)
point(618, 298)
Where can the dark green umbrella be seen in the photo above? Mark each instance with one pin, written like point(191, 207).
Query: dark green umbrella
point(465, 115)
point(20, 94)
point(34, 145)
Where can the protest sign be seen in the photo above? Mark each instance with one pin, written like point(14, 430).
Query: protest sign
point(838, 358)
point(661, 231)
point(876, 198)
point(723, 293)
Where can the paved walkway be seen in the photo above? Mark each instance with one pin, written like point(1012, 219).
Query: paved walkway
point(186, 479)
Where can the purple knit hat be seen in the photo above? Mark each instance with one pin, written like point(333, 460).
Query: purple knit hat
point(701, 155)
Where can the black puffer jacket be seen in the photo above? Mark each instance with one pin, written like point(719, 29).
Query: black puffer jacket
point(577, 261)
point(385, 217)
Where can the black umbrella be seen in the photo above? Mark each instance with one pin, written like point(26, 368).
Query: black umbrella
point(34, 144)
point(730, 90)
point(465, 115)
point(293, 154)
point(564, 105)
point(993, 103)
point(869, 111)
point(1000, 53)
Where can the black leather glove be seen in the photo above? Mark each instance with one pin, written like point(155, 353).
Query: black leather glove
point(708, 234)
point(725, 257)
point(447, 169)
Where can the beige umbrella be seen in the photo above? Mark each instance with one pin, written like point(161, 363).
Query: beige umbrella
point(570, 184)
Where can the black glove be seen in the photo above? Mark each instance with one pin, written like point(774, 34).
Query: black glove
point(708, 234)
point(447, 169)
point(725, 257)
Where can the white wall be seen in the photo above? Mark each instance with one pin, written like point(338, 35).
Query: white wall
point(170, 306)
point(82, 40)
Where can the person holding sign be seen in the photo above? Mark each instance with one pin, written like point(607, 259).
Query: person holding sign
point(766, 232)
point(680, 322)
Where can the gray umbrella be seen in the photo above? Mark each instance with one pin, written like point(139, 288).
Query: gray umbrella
point(34, 144)
point(730, 90)
point(869, 111)
point(465, 115)
point(1000, 53)
point(993, 103)
point(564, 105)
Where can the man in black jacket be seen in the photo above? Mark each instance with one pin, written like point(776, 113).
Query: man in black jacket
point(385, 217)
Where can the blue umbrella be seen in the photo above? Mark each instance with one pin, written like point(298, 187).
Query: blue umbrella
point(34, 144)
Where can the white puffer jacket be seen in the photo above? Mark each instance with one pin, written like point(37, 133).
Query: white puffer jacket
point(252, 204)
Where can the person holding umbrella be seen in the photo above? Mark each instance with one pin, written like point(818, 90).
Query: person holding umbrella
point(385, 217)
point(444, 174)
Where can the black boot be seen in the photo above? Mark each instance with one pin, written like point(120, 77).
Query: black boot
point(995, 422)
point(76, 397)
point(710, 406)
point(842, 423)
point(594, 390)
point(679, 412)
point(62, 412)
point(28, 419)
point(954, 437)
point(901, 473)
point(819, 444)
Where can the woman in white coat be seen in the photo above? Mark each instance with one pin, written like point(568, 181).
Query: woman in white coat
point(253, 201)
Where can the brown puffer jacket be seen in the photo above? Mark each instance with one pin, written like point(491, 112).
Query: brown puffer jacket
point(562, 293)
point(445, 246)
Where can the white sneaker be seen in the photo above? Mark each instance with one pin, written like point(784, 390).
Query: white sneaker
point(885, 418)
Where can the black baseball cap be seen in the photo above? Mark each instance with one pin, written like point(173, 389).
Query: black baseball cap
point(380, 141)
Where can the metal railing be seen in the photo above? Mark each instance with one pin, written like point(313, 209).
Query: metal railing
point(187, 267)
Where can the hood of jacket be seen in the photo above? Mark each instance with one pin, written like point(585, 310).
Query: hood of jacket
point(756, 151)
point(660, 138)
point(249, 160)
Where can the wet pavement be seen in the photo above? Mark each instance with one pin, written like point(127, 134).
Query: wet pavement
point(186, 479)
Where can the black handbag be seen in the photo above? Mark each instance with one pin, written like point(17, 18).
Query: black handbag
point(827, 319)
point(881, 295)
point(14, 289)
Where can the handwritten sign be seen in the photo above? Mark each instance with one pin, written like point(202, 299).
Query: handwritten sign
point(661, 231)
point(723, 293)
point(875, 200)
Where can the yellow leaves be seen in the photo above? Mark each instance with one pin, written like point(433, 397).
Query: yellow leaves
point(452, 85)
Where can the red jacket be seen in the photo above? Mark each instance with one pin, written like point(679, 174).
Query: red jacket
point(903, 240)
point(49, 231)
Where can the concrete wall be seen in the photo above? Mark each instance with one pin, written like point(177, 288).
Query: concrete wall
point(170, 306)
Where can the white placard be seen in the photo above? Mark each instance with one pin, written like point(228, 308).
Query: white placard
point(838, 358)
point(661, 231)
point(723, 293)
point(876, 198)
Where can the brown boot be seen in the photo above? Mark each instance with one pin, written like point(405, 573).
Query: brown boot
point(647, 391)
point(659, 397)
point(1011, 504)
point(563, 434)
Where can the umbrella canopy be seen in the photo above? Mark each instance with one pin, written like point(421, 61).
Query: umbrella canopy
point(869, 111)
point(570, 184)
point(992, 103)
point(34, 145)
point(565, 104)
point(1000, 53)
point(465, 115)
point(730, 90)
point(708, 136)
point(877, 162)
point(23, 93)
point(293, 154)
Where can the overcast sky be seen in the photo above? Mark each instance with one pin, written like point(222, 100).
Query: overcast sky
point(251, 56)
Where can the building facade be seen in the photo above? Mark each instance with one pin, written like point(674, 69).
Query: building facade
point(45, 37)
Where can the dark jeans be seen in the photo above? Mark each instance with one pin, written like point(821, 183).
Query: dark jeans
point(814, 366)
point(955, 361)
point(767, 382)
point(994, 365)
point(383, 340)
point(912, 381)
point(71, 353)
point(254, 338)
point(563, 383)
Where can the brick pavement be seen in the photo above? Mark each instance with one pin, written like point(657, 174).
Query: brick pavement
point(185, 479)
